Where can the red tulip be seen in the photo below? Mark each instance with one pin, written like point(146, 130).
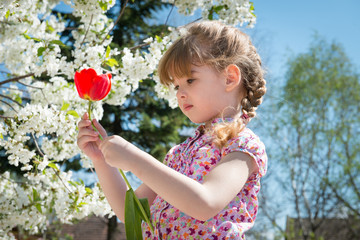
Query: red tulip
point(91, 86)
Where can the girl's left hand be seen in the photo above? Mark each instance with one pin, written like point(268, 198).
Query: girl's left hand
point(114, 150)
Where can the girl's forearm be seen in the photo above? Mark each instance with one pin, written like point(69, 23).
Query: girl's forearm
point(184, 193)
point(113, 186)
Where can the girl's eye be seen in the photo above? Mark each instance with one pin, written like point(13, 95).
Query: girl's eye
point(176, 87)
point(190, 80)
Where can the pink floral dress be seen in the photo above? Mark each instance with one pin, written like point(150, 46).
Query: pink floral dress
point(195, 158)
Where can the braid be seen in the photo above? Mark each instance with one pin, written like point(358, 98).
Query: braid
point(253, 81)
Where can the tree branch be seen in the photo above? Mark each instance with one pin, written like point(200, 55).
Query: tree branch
point(117, 20)
point(8, 105)
point(87, 30)
point(1, 116)
point(168, 16)
point(15, 89)
point(11, 100)
point(43, 155)
point(16, 79)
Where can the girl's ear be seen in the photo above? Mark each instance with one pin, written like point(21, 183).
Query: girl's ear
point(233, 77)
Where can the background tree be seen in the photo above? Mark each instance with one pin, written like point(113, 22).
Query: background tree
point(316, 140)
point(40, 49)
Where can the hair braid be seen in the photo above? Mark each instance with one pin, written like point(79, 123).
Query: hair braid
point(253, 81)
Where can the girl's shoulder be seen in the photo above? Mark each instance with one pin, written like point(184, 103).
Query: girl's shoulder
point(247, 141)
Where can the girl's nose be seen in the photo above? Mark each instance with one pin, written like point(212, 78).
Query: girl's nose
point(181, 94)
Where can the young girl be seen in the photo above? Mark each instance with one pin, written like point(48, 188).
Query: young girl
point(207, 186)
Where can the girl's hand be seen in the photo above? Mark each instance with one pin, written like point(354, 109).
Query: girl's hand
point(117, 152)
point(88, 139)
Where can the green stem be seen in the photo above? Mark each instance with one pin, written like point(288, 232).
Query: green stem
point(124, 176)
point(147, 220)
point(92, 124)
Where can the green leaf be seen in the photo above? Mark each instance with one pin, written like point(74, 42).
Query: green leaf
point(132, 219)
point(158, 39)
point(252, 8)
point(35, 195)
point(18, 99)
point(82, 204)
point(40, 51)
point(1, 136)
point(103, 6)
point(72, 183)
point(53, 165)
point(111, 62)
point(107, 52)
point(145, 204)
point(73, 113)
point(38, 207)
point(218, 8)
point(64, 106)
point(88, 190)
point(7, 14)
point(49, 28)
point(211, 15)
point(26, 36)
point(57, 42)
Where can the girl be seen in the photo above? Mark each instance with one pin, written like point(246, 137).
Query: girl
point(207, 186)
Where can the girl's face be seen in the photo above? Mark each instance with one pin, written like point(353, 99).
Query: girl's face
point(204, 95)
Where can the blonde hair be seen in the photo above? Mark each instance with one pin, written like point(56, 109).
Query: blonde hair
point(218, 45)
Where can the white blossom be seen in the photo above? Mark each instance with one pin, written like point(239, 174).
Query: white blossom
point(30, 45)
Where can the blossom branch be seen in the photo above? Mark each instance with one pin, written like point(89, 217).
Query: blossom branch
point(117, 20)
point(87, 30)
point(8, 105)
point(15, 89)
point(168, 16)
point(16, 79)
point(10, 180)
point(27, 85)
point(11, 100)
point(43, 155)
point(1, 116)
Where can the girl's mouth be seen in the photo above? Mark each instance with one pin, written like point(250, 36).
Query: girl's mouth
point(187, 107)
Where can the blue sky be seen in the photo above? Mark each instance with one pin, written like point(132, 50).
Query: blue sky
point(290, 26)
point(286, 27)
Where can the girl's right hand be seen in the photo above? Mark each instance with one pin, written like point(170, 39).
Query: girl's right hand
point(88, 139)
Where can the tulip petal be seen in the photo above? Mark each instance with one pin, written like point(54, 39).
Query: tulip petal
point(101, 87)
point(84, 82)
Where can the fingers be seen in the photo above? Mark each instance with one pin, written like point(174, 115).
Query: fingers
point(85, 116)
point(84, 140)
point(100, 128)
point(87, 133)
point(84, 122)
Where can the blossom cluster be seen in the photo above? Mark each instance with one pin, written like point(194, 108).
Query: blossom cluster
point(30, 45)
point(231, 12)
point(30, 201)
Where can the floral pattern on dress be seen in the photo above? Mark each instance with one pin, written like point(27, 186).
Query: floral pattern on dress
point(195, 158)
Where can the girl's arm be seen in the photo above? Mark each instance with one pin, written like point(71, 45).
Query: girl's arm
point(111, 182)
point(201, 201)
point(114, 188)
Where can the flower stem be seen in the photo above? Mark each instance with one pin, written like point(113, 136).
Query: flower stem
point(124, 176)
point(92, 124)
point(147, 220)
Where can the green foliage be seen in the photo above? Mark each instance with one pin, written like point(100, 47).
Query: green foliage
point(318, 132)
point(134, 216)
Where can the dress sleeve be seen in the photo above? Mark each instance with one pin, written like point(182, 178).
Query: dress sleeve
point(169, 158)
point(249, 143)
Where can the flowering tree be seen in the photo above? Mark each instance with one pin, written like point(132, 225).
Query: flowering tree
point(39, 106)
